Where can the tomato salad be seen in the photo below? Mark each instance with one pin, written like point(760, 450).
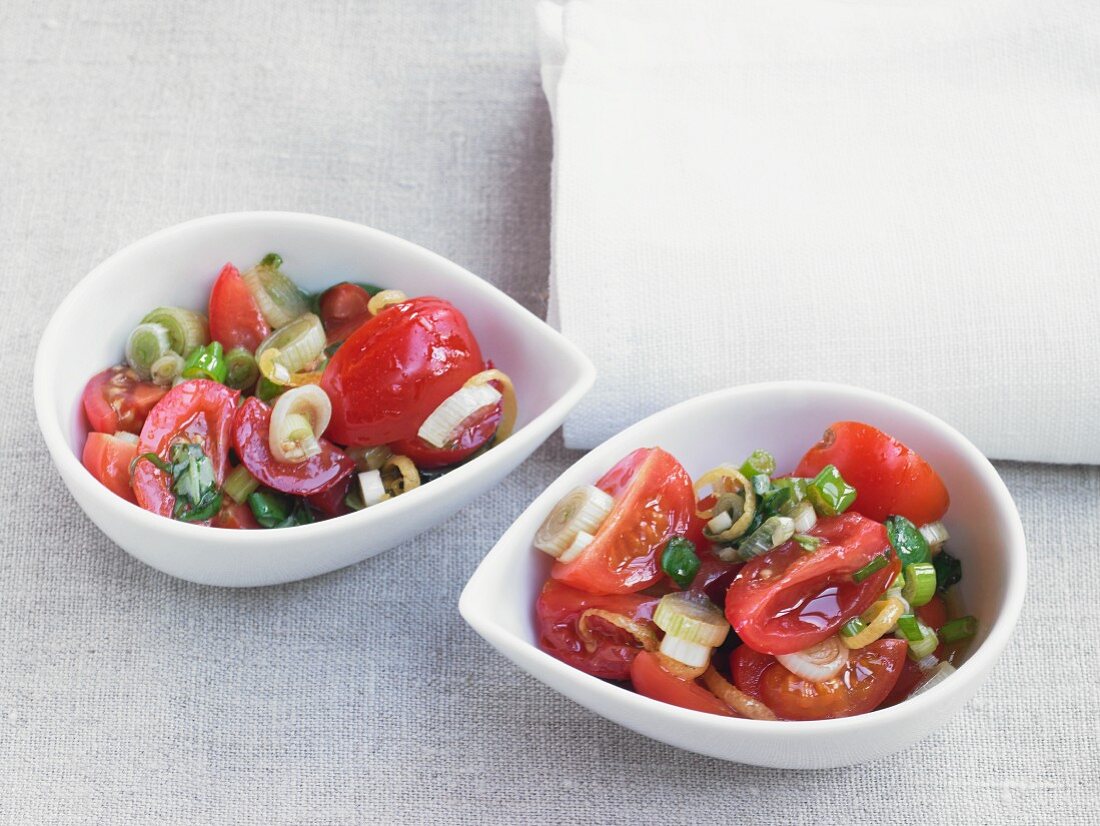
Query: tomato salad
point(812, 595)
point(261, 412)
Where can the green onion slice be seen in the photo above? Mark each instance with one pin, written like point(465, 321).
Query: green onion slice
point(167, 368)
point(241, 369)
point(876, 564)
point(909, 627)
point(959, 629)
point(240, 484)
point(759, 462)
point(146, 344)
point(920, 583)
point(207, 362)
point(279, 299)
point(186, 328)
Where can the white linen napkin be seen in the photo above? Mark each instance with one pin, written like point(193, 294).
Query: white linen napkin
point(902, 194)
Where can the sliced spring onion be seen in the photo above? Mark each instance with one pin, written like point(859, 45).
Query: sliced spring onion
point(877, 620)
point(928, 663)
point(736, 699)
point(935, 534)
point(959, 629)
point(875, 565)
point(920, 583)
point(809, 543)
point(383, 299)
point(926, 643)
point(773, 532)
point(279, 299)
point(641, 630)
point(298, 419)
point(679, 561)
point(186, 328)
point(369, 458)
point(400, 475)
point(761, 483)
point(819, 662)
point(240, 484)
point(206, 362)
point(909, 628)
point(125, 436)
point(829, 492)
point(582, 509)
point(692, 617)
point(759, 462)
point(509, 407)
point(146, 344)
point(444, 425)
point(899, 582)
point(852, 627)
point(165, 370)
point(804, 517)
point(785, 495)
point(581, 541)
point(689, 653)
point(934, 677)
point(285, 356)
point(372, 489)
point(241, 369)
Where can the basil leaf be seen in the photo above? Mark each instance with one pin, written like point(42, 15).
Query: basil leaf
point(907, 540)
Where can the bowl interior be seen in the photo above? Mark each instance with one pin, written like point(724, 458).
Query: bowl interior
point(785, 419)
point(178, 267)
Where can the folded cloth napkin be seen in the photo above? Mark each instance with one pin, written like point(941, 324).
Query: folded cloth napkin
point(899, 194)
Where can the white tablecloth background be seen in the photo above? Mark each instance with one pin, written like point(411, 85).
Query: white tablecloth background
point(361, 696)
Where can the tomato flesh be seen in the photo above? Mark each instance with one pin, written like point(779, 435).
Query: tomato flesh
point(109, 458)
point(933, 613)
point(474, 436)
point(235, 516)
point(330, 502)
point(235, 317)
point(117, 400)
point(862, 686)
point(397, 368)
point(650, 680)
point(654, 500)
point(611, 650)
point(889, 478)
point(198, 411)
point(787, 599)
point(314, 475)
point(344, 308)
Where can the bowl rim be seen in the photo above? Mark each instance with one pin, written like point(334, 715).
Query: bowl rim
point(978, 662)
point(51, 344)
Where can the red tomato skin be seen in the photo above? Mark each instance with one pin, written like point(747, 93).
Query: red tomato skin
point(397, 368)
point(235, 317)
point(557, 611)
point(196, 410)
point(315, 475)
point(871, 674)
point(331, 502)
point(654, 500)
point(760, 602)
point(889, 478)
point(343, 309)
point(907, 680)
point(235, 517)
point(933, 613)
point(117, 400)
point(108, 459)
point(469, 442)
point(650, 680)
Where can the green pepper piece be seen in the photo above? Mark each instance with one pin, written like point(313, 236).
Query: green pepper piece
point(207, 363)
point(910, 546)
point(829, 493)
point(760, 461)
point(679, 561)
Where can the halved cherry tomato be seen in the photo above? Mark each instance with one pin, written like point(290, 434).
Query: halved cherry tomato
point(108, 458)
point(343, 308)
point(117, 399)
point(314, 475)
point(864, 683)
point(654, 500)
point(235, 317)
point(331, 502)
point(889, 478)
point(235, 516)
point(557, 611)
point(933, 613)
point(397, 368)
point(650, 680)
point(787, 599)
point(473, 437)
point(199, 411)
point(907, 681)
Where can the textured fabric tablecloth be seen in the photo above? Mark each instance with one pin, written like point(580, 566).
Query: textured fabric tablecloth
point(127, 696)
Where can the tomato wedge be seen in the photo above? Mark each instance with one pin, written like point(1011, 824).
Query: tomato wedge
point(199, 411)
point(235, 317)
point(235, 516)
point(117, 400)
point(343, 309)
point(650, 680)
point(609, 650)
point(889, 478)
point(862, 686)
point(654, 500)
point(330, 502)
point(475, 435)
point(787, 599)
point(314, 475)
point(397, 368)
point(108, 458)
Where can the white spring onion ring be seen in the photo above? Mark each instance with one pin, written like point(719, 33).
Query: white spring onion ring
point(146, 344)
point(736, 699)
point(444, 425)
point(641, 631)
point(582, 509)
point(166, 369)
point(279, 300)
point(372, 488)
point(940, 672)
point(129, 438)
point(692, 617)
point(285, 356)
point(383, 299)
point(298, 419)
point(509, 406)
point(935, 534)
point(186, 328)
point(400, 475)
point(819, 662)
point(804, 517)
point(581, 541)
point(691, 654)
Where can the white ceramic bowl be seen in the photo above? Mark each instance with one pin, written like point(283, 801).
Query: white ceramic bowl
point(178, 266)
point(784, 418)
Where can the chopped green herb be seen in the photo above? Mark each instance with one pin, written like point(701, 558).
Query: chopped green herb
point(876, 564)
point(909, 544)
point(277, 510)
point(808, 543)
point(948, 570)
point(959, 629)
point(760, 462)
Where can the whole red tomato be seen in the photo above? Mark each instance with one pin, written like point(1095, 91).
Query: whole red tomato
point(117, 399)
point(787, 599)
point(889, 478)
point(397, 368)
point(311, 476)
point(235, 317)
point(654, 500)
point(650, 680)
point(612, 650)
